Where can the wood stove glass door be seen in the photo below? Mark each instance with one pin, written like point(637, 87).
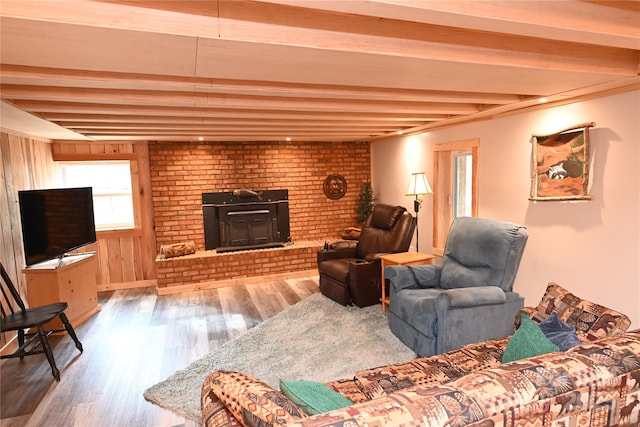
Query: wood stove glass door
point(249, 228)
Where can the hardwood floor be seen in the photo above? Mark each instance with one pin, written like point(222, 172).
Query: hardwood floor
point(137, 340)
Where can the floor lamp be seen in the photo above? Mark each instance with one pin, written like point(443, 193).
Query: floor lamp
point(418, 187)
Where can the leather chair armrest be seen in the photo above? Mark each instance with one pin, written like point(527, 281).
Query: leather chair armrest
point(336, 254)
point(362, 265)
point(364, 282)
point(362, 271)
point(343, 244)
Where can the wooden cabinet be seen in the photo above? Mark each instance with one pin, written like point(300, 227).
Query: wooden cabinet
point(73, 281)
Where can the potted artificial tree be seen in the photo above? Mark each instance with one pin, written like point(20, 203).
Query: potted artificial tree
point(366, 202)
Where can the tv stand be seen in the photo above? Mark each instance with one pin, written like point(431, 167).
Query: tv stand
point(72, 279)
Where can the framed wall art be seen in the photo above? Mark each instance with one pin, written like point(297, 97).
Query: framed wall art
point(335, 186)
point(560, 164)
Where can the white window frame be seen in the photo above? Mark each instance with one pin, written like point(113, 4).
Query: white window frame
point(126, 193)
point(444, 187)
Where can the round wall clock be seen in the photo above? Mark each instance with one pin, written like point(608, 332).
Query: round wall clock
point(335, 186)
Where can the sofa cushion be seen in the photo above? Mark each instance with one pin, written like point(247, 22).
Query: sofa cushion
point(585, 386)
point(252, 402)
point(591, 321)
point(214, 412)
point(435, 369)
point(559, 333)
point(312, 397)
point(349, 388)
point(415, 406)
point(527, 341)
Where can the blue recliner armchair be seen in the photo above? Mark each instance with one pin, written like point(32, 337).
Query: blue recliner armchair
point(468, 298)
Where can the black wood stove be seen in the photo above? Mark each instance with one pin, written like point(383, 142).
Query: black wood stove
point(244, 219)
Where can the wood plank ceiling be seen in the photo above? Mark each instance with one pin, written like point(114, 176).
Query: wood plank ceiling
point(320, 70)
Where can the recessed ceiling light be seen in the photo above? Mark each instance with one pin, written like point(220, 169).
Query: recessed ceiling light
point(543, 100)
point(201, 138)
point(288, 138)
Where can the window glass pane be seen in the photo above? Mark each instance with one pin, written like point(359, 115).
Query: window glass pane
point(462, 197)
point(113, 211)
point(111, 184)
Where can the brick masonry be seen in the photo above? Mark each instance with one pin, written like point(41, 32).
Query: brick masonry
point(181, 172)
point(208, 266)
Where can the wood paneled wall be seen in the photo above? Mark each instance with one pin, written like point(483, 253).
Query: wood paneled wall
point(126, 257)
point(27, 164)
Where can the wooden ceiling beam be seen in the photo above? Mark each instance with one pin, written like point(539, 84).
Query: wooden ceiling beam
point(319, 30)
point(263, 133)
point(197, 100)
point(43, 76)
point(607, 22)
point(611, 22)
point(248, 125)
point(78, 119)
point(316, 27)
point(43, 108)
point(360, 69)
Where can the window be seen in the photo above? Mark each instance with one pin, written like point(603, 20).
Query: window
point(455, 186)
point(462, 183)
point(112, 195)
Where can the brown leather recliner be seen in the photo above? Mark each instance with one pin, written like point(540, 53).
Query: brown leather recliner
point(350, 272)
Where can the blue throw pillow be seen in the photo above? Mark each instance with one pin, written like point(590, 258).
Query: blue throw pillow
point(527, 341)
point(312, 397)
point(559, 332)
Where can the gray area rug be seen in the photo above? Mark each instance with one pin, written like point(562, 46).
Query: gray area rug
point(316, 339)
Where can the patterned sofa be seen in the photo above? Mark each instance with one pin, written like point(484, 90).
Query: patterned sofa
point(594, 384)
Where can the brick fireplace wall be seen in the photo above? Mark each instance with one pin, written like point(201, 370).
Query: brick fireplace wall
point(182, 171)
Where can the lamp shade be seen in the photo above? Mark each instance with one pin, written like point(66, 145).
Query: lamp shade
point(419, 185)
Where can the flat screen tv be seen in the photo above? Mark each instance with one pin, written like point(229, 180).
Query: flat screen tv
point(55, 222)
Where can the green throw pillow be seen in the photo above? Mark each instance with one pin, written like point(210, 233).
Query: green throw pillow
point(313, 398)
point(527, 341)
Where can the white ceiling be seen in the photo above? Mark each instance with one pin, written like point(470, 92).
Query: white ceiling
point(322, 70)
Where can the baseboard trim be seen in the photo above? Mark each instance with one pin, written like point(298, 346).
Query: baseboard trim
point(169, 290)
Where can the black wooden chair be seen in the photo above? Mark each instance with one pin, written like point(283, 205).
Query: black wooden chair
point(16, 317)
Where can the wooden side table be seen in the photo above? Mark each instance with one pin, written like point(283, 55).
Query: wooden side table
point(401, 258)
